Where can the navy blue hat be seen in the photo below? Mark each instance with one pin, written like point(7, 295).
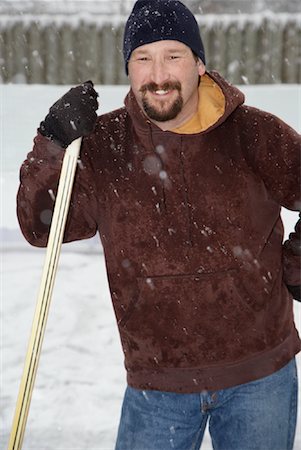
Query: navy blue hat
point(157, 20)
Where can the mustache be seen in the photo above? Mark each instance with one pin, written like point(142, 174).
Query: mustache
point(167, 86)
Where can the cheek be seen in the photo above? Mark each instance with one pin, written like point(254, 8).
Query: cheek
point(137, 76)
point(133, 82)
point(136, 83)
point(135, 86)
point(190, 85)
point(188, 75)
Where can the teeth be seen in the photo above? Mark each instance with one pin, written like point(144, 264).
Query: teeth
point(161, 92)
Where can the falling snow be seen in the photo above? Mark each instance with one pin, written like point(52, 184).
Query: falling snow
point(81, 378)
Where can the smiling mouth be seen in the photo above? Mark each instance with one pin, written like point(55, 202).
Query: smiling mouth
point(161, 91)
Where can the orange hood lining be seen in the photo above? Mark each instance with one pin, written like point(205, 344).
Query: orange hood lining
point(211, 108)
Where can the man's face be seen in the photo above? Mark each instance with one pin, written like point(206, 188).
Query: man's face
point(164, 77)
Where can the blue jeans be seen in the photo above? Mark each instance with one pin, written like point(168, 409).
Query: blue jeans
point(260, 415)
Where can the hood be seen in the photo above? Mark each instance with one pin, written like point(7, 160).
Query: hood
point(218, 99)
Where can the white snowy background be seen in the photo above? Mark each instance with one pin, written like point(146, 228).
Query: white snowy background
point(80, 383)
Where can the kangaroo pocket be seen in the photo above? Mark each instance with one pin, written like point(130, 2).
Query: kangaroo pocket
point(190, 321)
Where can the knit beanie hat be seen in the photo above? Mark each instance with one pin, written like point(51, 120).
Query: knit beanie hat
point(157, 20)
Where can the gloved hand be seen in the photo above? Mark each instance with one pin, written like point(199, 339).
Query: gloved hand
point(295, 291)
point(72, 116)
point(292, 261)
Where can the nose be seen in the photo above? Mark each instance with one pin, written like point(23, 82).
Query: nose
point(159, 72)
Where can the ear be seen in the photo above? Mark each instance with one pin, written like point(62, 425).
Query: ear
point(201, 67)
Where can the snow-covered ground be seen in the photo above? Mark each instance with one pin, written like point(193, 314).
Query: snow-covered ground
point(81, 379)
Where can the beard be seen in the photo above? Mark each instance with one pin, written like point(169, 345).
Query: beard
point(162, 113)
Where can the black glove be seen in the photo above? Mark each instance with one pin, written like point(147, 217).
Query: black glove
point(72, 116)
point(295, 291)
point(293, 246)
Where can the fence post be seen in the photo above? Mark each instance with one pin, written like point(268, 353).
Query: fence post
point(36, 54)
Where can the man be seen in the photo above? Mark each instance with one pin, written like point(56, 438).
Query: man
point(184, 185)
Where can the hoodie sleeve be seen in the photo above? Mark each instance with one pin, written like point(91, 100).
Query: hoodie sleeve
point(39, 177)
point(273, 149)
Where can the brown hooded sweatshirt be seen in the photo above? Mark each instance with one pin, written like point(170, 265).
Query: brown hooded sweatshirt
point(190, 226)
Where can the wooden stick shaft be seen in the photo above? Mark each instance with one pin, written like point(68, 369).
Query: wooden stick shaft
point(45, 292)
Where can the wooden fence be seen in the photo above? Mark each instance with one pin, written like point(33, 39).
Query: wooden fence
point(250, 49)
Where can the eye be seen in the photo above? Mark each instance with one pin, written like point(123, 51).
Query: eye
point(143, 58)
point(172, 57)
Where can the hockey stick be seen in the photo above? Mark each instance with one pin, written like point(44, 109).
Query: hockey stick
point(44, 297)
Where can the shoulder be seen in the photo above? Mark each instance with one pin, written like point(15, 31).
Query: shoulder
point(254, 116)
point(113, 125)
point(110, 137)
point(256, 122)
point(112, 118)
point(109, 127)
